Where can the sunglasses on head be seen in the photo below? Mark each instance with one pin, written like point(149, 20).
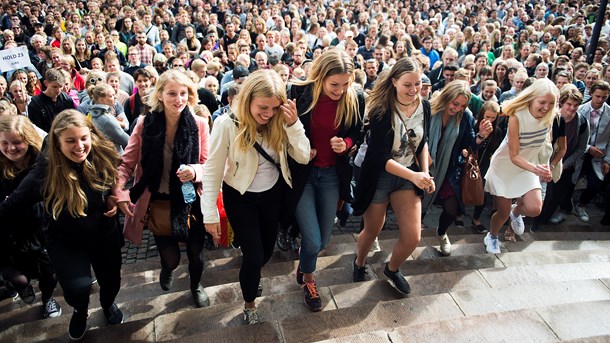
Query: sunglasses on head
point(95, 80)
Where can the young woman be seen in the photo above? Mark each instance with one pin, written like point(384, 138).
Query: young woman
point(518, 167)
point(262, 129)
point(395, 167)
point(490, 112)
point(331, 111)
point(101, 111)
point(163, 140)
point(73, 183)
point(451, 131)
point(192, 43)
point(23, 254)
point(82, 54)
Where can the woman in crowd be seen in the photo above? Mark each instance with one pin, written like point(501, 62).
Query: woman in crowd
point(103, 99)
point(519, 164)
point(254, 141)
point(73, 183)
point(23, 254)
point(395, 167)
point(162, 141)
point(331, 111)
point(451, 132)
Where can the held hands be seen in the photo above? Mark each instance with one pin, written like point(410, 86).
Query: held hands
point(187, 174)
point(126, 207)
point(214, 230)
point(338, 145)
point(424, 181)
point(290, 112)
point(112, 206)
point(485, 128)
point(544, 172)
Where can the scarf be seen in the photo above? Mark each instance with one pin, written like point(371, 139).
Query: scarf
point(440, 151)
point(186, 151)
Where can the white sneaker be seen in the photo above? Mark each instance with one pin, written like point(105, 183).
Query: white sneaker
point(516, 222)
point(558, 217)
point(581, 213)
point(492, 245)
point(375, 247)
point(445, 245)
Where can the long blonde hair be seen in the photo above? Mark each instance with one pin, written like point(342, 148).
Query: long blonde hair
point(62, 189)
point(171, 75)
point(261, 84)
point(540, 87)
point(23, 127)
point(333, 62)
point(441, 100)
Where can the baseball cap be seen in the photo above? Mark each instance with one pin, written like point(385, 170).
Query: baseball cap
point(239, 72)
point(425, 80)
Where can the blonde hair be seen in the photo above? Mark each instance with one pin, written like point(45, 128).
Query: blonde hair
point(171, 76)
point(263, 83)
point(441, 100)
point(22, 126)
point(62, 188)
point(540, 87)
point(100, 91)
point(333, 62)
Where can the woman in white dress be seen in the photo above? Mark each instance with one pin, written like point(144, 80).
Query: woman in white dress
point(522, 160)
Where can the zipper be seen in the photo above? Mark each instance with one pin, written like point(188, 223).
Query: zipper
point(236, 168)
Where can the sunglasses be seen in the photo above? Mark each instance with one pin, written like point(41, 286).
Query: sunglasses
point(94, 80)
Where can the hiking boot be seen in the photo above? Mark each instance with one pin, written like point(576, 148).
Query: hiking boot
point(282, 240)
point(492, 245)
point(558, 217)
point(251, 316)
point(114, 315)
point(516, 222)
point(581, 213)
point(200, 297)
point(78, 325)
point(312, 296)
point(359, 272)
point(27, 294)
point(166, 279)
point(445, 245)
point(51, 309)
point(398, 280)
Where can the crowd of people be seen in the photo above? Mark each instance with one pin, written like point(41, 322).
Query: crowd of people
point(296, 114)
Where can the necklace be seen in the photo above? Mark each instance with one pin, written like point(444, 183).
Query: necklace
point(409, 103)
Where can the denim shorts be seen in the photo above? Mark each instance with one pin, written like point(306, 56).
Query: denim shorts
point(387, 184)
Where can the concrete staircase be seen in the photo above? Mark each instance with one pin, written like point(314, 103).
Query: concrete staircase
point(546, 287)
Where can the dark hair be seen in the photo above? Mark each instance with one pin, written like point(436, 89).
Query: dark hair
point(599, 85)
point(451, 67)
point(142, 72)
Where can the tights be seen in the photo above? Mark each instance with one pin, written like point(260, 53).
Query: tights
point(451, 208)
point(169, 251)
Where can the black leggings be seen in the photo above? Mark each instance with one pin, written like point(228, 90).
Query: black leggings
point(39, 267)
point(169, 251)
point(451, 208)
point(254, 218)
point(73, 262)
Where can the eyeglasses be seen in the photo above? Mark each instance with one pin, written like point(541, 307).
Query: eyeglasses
point(95, 80)
point(178, 66)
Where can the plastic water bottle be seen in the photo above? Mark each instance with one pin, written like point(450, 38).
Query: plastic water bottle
point(188, 190)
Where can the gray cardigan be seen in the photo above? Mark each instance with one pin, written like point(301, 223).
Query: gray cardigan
point(107, 124)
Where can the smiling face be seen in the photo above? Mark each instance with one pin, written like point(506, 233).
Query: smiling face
point(456, 106)
point(541, 106)
point(263, 109)
point(408, 86)
point(13, 147)
point(334, 86)
point(75, 143)
point(174, 98)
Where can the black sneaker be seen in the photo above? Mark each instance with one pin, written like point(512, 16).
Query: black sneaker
point(312, 296)
point(299, 276)
point(114, 315)
point(51, 309)
point(535, 228)
point(78, 326)
point(282, 240)
point(398, 279)
point(200, 297)
point(27, 294)
point(359, 272)
point(480, 228)
point(166, 279)
point(259, 290)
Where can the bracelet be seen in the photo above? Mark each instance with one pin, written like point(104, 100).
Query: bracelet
point(480, 137)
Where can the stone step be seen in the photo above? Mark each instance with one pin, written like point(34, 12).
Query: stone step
point(379, 336)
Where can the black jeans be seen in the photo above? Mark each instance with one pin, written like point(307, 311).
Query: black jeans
point(255, 218)
point(594, 184)
point(73, 262)
point(557, 195)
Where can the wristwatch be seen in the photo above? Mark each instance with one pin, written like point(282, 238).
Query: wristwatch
point(480, 137)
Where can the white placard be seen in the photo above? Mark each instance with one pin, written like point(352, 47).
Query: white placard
point(14, 58)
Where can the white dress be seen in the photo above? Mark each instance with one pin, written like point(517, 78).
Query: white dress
point(506, 179)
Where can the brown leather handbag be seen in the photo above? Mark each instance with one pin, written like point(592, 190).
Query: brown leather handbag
point(472, 181)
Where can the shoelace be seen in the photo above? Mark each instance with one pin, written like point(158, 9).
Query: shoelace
point(312, 289)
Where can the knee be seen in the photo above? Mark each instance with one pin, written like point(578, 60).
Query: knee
point(77, 288)
point(534, 207)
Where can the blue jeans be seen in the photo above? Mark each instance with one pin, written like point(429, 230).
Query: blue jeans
point(315, 214)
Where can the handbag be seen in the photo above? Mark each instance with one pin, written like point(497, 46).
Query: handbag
point(159, 218)
point(471, 182)
point(226, 231)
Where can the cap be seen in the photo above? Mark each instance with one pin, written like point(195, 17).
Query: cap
point(239, 72)
point(349, 33)
point(425, 80)
point(38, 24)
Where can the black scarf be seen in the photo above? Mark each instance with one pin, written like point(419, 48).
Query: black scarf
point(186, 151)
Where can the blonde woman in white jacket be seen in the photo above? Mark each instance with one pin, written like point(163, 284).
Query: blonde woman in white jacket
point(262, 122)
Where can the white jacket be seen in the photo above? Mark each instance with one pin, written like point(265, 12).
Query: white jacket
point(237, 167)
